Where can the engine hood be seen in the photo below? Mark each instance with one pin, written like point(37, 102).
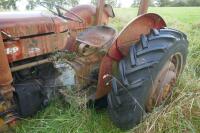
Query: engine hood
point(19, 24)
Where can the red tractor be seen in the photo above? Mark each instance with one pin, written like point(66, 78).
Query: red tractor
point(133, 71)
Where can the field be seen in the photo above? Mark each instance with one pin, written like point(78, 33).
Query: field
point(181, 115)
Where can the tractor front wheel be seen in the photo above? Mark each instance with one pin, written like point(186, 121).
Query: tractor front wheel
point(146, 77)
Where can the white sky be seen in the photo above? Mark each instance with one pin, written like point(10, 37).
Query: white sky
point(124, 3)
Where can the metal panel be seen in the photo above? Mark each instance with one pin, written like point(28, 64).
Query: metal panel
point(35, 46)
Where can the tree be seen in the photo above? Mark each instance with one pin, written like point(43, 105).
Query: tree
point(193, 3)
point(135, 3)
point(94, 2)
point(176, 3)
point(119, 5)
point(164, 2)
point(8, 4)
point(73, 3)
point(68, 3)
point(113, 3)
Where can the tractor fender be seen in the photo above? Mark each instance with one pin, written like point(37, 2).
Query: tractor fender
point(129, 35)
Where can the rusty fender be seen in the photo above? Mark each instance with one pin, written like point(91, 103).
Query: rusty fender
point(121, 44)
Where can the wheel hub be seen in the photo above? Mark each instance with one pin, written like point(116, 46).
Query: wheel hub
point(162, 86)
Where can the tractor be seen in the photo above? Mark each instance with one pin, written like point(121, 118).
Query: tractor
point(47, 53)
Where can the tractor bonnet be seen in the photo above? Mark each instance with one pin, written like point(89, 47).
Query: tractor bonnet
point(18, 24)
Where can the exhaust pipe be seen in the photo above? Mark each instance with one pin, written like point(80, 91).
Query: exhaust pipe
point(99, 11)
point(143, 8)
point(6, 89)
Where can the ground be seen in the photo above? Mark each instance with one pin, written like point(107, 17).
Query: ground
point(181, 115)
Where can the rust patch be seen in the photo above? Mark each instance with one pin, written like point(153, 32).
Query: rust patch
point(97, 36)
point(35, 46)
point(6, 78)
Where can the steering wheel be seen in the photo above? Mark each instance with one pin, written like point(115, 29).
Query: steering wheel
point(59, 13)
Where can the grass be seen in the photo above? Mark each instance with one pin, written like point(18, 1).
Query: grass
point(181, 115)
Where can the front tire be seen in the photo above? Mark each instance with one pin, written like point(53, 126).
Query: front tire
point(145, 77)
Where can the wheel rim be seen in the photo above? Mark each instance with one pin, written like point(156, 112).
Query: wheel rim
point(165, 81)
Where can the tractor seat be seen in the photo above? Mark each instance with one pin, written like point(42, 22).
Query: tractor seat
point(97, 36)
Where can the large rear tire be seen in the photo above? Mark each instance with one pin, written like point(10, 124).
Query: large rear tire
point(145, 77)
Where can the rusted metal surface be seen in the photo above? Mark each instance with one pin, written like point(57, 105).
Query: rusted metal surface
point(6, 76)
point(31, 34)
point(109, 11)
point(143, 8)
point(35, 46)
point(165, 81)
point(162, 86)
point(120, 46)
point(83, 67)
point(71, 41)
point(97, 36)
point(91, 57)
point(95, 39)
point(132, 32)
point(29, 65)
point(38, 33)
point(19, 24)
point(99, 11)
point(88, 14)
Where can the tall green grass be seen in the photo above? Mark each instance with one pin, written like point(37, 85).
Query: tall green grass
point(182, 114)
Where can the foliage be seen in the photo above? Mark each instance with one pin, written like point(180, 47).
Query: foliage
point(176, 3)
point(11, 4)
point(135, 3)
point(68, 3)
point(94, 2)
point(164, 2)
point(119, 5)
point(113, 3)
point(8, 4)
point(194, 2)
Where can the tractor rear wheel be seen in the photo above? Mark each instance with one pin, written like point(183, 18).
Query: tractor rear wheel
point(146, 77)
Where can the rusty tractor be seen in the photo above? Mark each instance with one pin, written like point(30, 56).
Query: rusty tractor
point(133, 71)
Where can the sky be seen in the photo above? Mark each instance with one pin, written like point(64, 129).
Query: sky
point(124, 3)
